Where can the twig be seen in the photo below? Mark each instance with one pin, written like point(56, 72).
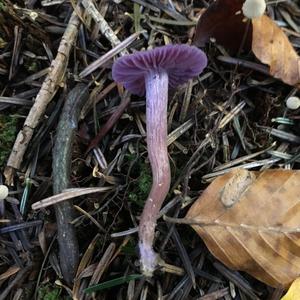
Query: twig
point(176, 133)
point(38, 280)
point(111, 122)
point(101, 22)
point(186, 101)
point(103, 264)
point(120, 48)
point(169, 22)
point(66, 195)
point(85, 260)
point(184, 256)
point(91, 218)
point(244, 63)
point(16, 52)
point(16, 101)
point(215, 295)
point(19, 278)
point(95, 98)
point(61, 165)
point(20, 226)
point(43, 98)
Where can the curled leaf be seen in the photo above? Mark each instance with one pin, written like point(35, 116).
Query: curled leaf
point(272, 47)
point(259, 232)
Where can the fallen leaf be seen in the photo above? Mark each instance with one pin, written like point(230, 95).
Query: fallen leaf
point(293, 292)
point(272, 47)
point(224, 22)
point(258, 231)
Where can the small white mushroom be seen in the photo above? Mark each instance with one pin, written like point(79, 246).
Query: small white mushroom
point(3, 191)
point(254, 8)
point(293, 103)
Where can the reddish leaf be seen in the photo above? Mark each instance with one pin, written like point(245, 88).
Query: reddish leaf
point(223, 21)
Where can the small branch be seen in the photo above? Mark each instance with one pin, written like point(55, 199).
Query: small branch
point(66, 195)
point(111, 122)
point(216, 295)
point(120, 48)
point(43, 98)
point(16, 281)
point(103, 264)
point(61, 165)
point(101, 22)
point(244, 63)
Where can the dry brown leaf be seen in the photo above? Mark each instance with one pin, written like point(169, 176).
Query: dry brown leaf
point(272, 47)
point(258, 231)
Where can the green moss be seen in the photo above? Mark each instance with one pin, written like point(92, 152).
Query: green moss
point(48, 292)
point(130, 248)
point(2, 42)
point(31, 65)
point(2, 5)
point(8, 131)
point(140, 189)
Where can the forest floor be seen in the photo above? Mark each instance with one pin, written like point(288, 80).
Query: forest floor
point(232, 114)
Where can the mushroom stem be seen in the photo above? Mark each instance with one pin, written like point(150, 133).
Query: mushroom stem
point(156, 83)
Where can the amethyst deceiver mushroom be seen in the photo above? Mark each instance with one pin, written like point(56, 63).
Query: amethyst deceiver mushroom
point(151, 72)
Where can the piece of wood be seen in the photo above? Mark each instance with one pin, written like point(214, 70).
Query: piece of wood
point(48, 90)
point(61, 165)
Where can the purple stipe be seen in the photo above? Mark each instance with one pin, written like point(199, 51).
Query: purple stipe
point(156, 115)
point(151, 72)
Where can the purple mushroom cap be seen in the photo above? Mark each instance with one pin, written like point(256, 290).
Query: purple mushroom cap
point(181, 62)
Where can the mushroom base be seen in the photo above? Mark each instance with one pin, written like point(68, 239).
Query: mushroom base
point(148, 259)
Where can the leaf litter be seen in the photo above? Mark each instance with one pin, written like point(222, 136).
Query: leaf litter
point(256, 229)
point(233, 115)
